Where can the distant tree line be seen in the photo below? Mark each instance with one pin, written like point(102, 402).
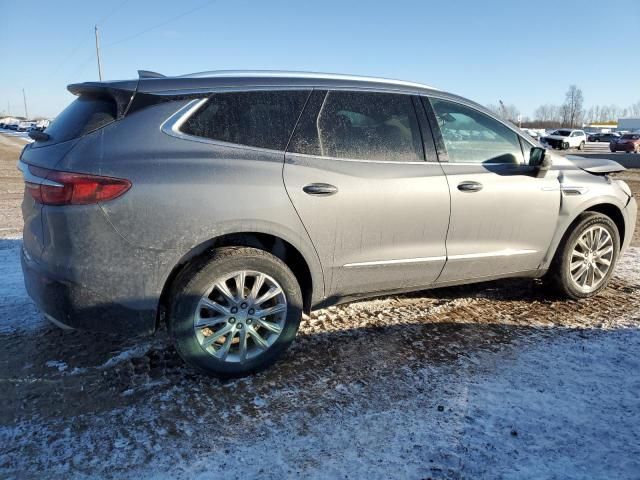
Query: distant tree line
point(570, 114)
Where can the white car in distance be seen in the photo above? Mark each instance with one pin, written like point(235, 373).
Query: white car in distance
point(565, 138)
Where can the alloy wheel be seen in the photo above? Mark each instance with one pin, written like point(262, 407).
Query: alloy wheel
point(241, 316)
point(591, 258)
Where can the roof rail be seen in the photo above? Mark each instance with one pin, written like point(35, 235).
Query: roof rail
point(149, 74)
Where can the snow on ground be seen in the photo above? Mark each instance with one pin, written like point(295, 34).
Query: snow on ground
point(16, 310)
point(493, 381)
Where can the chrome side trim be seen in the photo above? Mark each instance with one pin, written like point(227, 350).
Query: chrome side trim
point(34, 179)
point(467, 256)
point(395, 262)
point(508, 252)
point(573, 190)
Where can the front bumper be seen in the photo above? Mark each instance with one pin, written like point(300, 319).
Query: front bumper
point(71, 305)
point(630, 214)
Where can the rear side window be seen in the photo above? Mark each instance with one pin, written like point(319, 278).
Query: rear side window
point(262, 119)
point(364, 126)
point(83, 115)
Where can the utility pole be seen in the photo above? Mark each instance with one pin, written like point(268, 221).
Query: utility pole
point(98, 54)
point(26, 112)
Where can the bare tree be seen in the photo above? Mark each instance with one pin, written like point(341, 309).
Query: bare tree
point(507, 112)
point(634, 109)
point(547, 113)
point(572, 108)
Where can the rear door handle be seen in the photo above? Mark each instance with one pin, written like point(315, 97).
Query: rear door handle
point(320, 189)
point(470, 186)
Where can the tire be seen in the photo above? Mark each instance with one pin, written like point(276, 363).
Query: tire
point(560, 273)
point(565, 146)
point(596, 140)
point(581, 146)
point(199, 282)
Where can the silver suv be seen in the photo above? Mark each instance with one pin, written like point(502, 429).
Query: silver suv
point(226, 204)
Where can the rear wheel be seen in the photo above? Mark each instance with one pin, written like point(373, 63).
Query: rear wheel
point(586, 257)
point(581, 146)
point(235, 312)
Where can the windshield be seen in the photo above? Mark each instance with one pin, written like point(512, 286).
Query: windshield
point(631, 137)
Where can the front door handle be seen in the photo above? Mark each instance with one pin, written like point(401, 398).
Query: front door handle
point(470, 186)
point(320, 189)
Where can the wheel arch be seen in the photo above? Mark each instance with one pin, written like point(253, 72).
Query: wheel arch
point(611, 210)
point(306, 272)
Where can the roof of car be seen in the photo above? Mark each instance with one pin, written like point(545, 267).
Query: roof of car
point(203, 82)
point(156, 83)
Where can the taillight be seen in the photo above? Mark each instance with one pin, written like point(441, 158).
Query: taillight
point(68, 188)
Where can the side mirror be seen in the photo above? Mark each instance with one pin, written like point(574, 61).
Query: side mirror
point(540, 159)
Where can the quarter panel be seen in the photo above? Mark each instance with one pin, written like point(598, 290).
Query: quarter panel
point(186, 192)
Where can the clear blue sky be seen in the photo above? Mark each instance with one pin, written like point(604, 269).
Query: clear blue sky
point(520, 52)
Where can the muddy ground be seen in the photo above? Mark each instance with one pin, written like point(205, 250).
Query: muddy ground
point(500, 380)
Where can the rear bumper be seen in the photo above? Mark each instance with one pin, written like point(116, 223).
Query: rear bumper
point(628, 147)
point(70, 305)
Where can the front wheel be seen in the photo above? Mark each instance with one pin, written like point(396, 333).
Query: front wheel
point(235, 312)
point(565, 146)
point(586, 257)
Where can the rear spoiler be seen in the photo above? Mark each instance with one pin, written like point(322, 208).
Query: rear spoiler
point(122, 92)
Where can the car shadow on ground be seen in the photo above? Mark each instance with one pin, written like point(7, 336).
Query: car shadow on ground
point(54, 373)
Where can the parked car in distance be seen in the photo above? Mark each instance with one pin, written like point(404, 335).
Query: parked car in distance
point(532, 133)
point(566, 138)
point(629, 142)
point(257, 196)
point(13, 126)
point(603, 137)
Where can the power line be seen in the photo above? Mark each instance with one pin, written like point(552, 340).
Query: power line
point(159, 25)
point(111, 13)
point(81, 44)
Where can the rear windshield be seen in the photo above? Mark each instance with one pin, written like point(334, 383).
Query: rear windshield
point(83, 115)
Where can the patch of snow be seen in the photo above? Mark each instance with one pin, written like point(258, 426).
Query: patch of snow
point(61, 366)
point(17, 311)
point(126, 355)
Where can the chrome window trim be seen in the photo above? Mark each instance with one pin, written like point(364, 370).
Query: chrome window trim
point(336, 159)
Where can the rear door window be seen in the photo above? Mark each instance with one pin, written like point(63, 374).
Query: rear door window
point(82, 116)
point(362, 126)
point(262, 119)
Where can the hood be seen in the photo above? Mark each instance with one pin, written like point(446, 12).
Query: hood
point(596, 166)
